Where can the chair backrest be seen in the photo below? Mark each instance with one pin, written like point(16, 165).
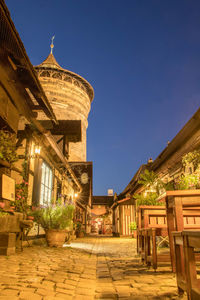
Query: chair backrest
point(186, 212)
point(151, 216)
point(191, 218)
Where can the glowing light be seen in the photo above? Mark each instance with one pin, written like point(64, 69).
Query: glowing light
point(75, 195)
point(37, 149)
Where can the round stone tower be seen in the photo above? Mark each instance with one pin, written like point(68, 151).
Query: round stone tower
point(70, 96)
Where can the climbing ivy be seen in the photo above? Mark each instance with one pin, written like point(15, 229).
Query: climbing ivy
point(8, 146)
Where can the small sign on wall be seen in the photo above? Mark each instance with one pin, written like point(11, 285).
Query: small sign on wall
point(7, 188)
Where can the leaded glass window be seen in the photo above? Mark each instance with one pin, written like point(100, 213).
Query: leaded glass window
point(46, 184)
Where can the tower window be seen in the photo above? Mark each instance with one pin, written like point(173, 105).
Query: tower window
point(57, 75)
point(67, 78)
point(76, 83)
point(45, 74)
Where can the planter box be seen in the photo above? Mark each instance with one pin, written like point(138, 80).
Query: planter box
point(7, 243)
point(134, 234)
point(11, 223)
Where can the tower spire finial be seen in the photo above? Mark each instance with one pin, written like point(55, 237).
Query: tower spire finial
point(52, 45)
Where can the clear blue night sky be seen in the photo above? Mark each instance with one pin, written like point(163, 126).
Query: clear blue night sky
point(143, 59)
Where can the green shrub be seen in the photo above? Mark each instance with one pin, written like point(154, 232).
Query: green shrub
point(148, 199)
point(54, 216)
point(132, 226)
point(191, 157)
point(186, 182)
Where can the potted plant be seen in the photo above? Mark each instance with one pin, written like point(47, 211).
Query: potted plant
point(79, 231)
point(133, 228)
point(56, 220)
point(2, 205)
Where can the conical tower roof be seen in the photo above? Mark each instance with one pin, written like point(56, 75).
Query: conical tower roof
point(50, 62)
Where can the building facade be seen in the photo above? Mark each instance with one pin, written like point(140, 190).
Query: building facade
point(47, 118)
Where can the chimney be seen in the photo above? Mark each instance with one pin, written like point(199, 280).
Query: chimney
point(150, 160)
point(110, 192)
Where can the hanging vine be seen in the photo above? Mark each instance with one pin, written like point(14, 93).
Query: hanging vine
point(8, 150)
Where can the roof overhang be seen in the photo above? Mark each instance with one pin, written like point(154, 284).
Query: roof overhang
point(18, 76)
point(70, 128)
point(190, 128)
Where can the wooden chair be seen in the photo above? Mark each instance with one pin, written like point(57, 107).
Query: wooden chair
point(152, 257)
point(185, 243)
point(191, 240)
point(149, 217)
point(183, 212)
point(179, 261)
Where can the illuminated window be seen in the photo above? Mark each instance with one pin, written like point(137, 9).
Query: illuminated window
point(46, 184)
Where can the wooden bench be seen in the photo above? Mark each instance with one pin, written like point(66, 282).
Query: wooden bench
point(183, 212)
point(151, 220)
point(186, 273)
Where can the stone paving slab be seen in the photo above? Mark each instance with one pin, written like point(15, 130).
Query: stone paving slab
point(88, 268)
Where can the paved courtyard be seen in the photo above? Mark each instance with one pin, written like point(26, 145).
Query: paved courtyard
point(88, 268)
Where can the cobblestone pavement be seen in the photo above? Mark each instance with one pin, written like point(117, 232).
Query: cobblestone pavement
point(88, 268)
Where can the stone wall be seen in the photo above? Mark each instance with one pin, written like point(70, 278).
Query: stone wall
point(70, 101)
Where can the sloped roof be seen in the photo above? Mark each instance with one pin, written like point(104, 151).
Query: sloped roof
point(51, 62)
point(133, 184)
point(102, 200)
point(190, 128)
point(20, 68)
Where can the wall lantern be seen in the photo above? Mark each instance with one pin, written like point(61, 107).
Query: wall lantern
point(37, 150)
point(76, 195)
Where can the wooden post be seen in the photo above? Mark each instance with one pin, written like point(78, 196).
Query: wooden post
point(171, 227)
point(154, 249)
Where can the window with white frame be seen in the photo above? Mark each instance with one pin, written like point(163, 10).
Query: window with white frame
point(46, 184)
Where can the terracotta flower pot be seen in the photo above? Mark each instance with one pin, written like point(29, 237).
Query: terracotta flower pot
point(30, 218)
point(134, 234)
point(56, 237)
point(2, 205)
